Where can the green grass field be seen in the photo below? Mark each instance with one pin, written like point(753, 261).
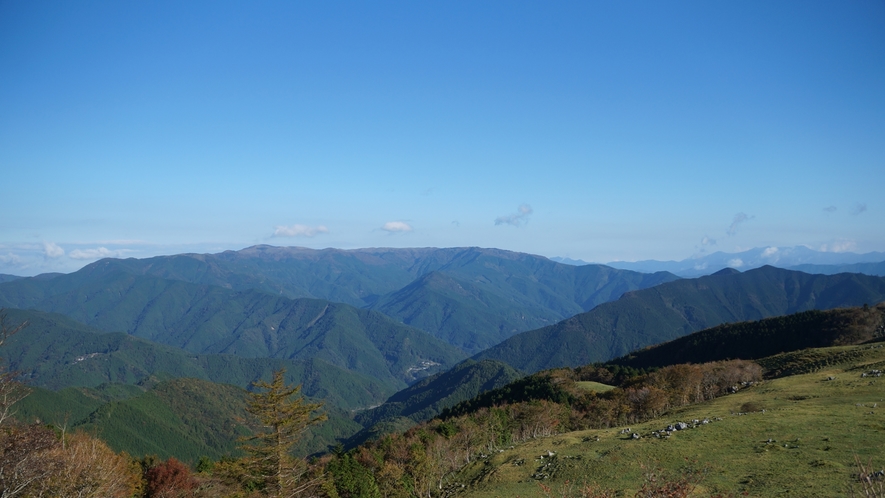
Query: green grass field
point(594, 386)
point(816, 427)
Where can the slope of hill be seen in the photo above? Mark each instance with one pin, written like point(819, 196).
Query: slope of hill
point(184, 418)
point(210, 320)
point(56, 352)
point(797, 434)
point(460, 313)
point(674, 309)
point(480, 299)
point(767, 337)
point(8, 278)
point(427, 398)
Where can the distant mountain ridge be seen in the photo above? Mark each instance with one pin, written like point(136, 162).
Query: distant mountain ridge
point(877, 269)
point(674, 309)
point(470, 297)
point(782, 257)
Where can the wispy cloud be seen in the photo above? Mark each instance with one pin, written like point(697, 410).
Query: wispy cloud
point(298, 231)
point(52, 250)
point(830, 209)
point(396, 226)
point(519, 218)
point(10, 258)
point(860, 207)
point(770, 252)
point(702, 248)
point(97, 253)
point(739, 219)
point(736, 263)
point(839, 246)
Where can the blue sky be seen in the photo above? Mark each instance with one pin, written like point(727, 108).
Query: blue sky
point(595, 130)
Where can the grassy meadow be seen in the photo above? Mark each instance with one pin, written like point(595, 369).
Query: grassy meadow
point(816, 427)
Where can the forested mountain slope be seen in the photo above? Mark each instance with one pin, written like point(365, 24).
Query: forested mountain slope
point(427, 398)
point(55, 352)
point(674, 309)
point(767, 337)
point(470, 297)
point(208, 319)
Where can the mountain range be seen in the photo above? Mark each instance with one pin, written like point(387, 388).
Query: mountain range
point(674, 309)
point(115, 337)
point(470, 298)
point(796, 258)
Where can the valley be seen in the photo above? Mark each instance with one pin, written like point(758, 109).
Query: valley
point(158, 357)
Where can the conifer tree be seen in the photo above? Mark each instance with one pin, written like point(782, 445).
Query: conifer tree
point(283, 416)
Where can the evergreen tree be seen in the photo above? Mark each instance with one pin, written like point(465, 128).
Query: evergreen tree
point(283, 416)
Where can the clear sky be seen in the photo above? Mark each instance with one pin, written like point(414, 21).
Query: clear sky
point(597, 130)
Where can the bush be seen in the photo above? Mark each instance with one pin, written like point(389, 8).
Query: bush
point(170, 479)
point(751, 406)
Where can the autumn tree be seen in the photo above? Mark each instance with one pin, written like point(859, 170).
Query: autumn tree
point(283, 416)
point(89, 468)
point(170, 479)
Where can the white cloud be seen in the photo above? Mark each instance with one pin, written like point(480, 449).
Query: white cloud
point(769, 252)
point(739, 219)
point(97, 253)
point(52, 250)
point(516, 219)
point(859, 208)
point(298, 231)
point(707, 241)
point(10, 258)
point(839, 246)
point(396, 226)
point(736, 263)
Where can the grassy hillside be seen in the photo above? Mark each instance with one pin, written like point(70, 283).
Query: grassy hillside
point(674, 309)
point(758, 339)
point(803, 443)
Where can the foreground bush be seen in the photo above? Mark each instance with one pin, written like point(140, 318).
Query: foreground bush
point(34, 461)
